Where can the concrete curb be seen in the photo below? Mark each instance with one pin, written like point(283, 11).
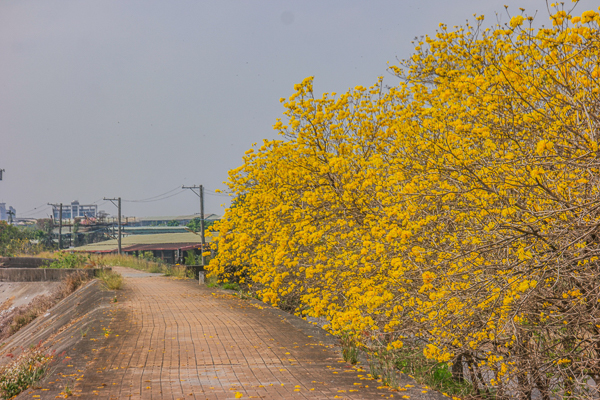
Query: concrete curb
point(25, 262)
point(43, 274)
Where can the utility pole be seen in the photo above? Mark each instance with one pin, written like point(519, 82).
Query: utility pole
point(118, 200)
point(200, 194)
point(1, 171)
point(59, 223)
point(59, 206)
point(60, 227)
point(10, 216)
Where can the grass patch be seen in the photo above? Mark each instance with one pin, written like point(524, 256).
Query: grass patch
point(349, 348)
point(211, 281)
point(144, 263)
point(24, 371)
point(70, 260)
point(230, 286)
point(112, 280)
point(177, 271)
point(411, 361)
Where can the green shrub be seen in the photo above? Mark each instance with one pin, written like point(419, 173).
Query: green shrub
point(70, 260)
point(231, 286)
point(411, 361)
point(191, 258)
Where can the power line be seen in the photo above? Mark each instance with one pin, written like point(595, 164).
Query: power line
point(218, 195)
point(151, 201)
point(148, 199)
point(35, 208)
point(214, 193)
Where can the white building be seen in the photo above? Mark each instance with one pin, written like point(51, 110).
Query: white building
point(75, 210)
point(4, 212)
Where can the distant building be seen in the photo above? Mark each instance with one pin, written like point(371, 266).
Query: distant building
point(4, 213)
point(75, 210)
point(169, 247)
point(182, 220)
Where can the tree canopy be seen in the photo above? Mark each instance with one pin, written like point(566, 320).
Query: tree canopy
point(457, 210)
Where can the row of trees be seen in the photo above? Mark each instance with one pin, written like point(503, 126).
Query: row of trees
point(25, 240)
point(457, 211)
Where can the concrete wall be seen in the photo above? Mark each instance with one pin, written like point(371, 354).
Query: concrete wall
point(42, 274)
point(24, 262)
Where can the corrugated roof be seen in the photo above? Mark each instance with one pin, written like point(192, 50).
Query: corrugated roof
point(187, 238)
point(176, 217)
point(136, 230)
point(162, 246)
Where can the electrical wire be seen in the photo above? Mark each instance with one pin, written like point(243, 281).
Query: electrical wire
point(218, 195)
point(32, 213)
point(214, 193)
point(153, 199)
point(33, 209)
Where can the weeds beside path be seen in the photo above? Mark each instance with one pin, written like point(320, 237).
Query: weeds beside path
point(147, 264)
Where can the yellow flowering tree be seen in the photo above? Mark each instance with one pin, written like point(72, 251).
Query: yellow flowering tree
point(456, 212)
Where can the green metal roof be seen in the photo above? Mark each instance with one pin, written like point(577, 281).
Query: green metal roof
point(209, 217)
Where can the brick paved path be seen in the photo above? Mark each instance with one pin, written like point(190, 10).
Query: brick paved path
point(174, 339)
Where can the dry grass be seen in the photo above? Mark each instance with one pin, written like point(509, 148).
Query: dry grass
point(177, 271)
point(142, 264)
point(112, 280)
point(24, 371)
point(12, 321)
point(128, 261)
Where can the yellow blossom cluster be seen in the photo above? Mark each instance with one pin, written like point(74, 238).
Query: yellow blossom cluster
point(457, 210)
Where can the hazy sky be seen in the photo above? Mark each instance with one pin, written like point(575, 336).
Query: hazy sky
point(108, 98)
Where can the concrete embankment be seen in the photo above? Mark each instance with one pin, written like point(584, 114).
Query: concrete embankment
point(42, 274)
point(15, 294)
point(72, 329)
point(24, 262)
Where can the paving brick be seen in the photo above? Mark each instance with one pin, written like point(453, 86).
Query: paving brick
point(175, 339)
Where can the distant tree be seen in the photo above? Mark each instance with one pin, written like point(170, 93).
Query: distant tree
point(173, 222)
point(76, 225)
point(195, 225)
point(9, 235)
point(43, 232)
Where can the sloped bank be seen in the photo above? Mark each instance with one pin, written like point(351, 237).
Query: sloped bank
point(70, 330)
